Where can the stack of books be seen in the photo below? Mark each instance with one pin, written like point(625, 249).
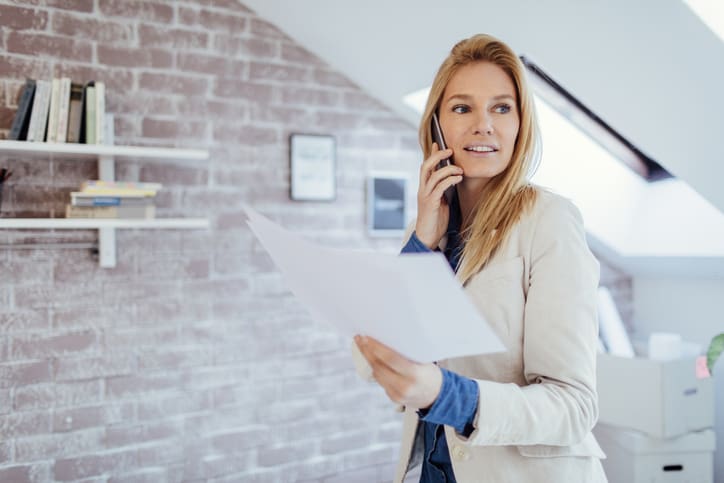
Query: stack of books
point(113, 199)
point(60, 111)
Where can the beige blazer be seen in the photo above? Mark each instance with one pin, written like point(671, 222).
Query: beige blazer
point(538, 400)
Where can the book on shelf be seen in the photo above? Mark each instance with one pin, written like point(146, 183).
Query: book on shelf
point(39, 114)
point(89, 118)
point(60, 110)
point(131, 212)
point(100, 116)
point(75, 112)
point(119, 188)
point(79, 198)
point(53, 114)
point(19, 127)
point(63, 109)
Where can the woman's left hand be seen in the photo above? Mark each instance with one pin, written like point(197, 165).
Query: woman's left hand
point(405, 382)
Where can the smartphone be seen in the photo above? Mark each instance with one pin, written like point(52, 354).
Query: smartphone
point(437, 137)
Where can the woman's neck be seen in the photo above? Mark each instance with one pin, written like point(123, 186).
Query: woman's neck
point(468, 195)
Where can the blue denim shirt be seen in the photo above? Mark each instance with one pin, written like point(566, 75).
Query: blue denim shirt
point(458, 400)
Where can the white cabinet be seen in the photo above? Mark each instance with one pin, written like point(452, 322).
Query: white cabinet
point(106, 155)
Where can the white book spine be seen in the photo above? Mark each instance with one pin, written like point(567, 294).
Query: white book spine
point(39, 115)
point(63, 108)
point(90, 115)
point(42, 127)
point(100, 113)
point(53, 116)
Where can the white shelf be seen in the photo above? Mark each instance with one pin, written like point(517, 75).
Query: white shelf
point(94, 151)
point(97, 223)
point(105, 154)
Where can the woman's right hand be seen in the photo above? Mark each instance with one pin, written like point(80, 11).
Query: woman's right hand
point(433, 213)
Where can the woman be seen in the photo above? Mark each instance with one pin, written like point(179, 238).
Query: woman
point(520, 253)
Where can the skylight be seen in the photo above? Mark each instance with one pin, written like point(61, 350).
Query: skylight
point(711, 12)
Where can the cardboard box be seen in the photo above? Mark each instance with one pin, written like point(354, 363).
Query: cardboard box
point(663, 399)
point(633, 457)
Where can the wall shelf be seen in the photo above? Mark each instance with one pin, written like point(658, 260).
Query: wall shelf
point(106, 156)
point(97, 223)
point(92, 151)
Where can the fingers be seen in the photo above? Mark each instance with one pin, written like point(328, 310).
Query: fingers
point(381, 356)
point(445, 184)
point(440, 176)
point(428, 166)
point(404, 381)
point(381, 359)
point(431, 176)
point(363, 368)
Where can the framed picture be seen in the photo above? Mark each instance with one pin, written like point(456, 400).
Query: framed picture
point(313, 167)
point(386, 204)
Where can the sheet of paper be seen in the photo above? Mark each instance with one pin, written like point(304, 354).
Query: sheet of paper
point(412, 303)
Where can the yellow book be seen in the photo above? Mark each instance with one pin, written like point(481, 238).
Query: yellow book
point(118, 192)
point(120, 188)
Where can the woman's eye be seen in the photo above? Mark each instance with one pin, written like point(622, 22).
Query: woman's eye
point(503, 108)
point(460, 109)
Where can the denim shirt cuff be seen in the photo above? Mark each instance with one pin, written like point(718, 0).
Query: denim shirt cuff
point(414, 245)
point(456, 405)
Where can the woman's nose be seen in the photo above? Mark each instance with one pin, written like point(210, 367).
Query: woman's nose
point(484, 124)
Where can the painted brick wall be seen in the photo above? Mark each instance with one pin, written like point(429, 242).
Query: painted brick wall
point(189, 361)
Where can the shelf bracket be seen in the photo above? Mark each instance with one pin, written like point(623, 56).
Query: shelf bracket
point(107, 247)
point(107, 236)
point(106, 168)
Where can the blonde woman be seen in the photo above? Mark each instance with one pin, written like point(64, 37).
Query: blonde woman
point(520, 252)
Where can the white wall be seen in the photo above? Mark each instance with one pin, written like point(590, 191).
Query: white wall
point(693, 308)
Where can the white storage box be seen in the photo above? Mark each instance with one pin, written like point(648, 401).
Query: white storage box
point(661, 398)
point(633, 457)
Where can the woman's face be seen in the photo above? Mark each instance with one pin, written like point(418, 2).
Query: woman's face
point(480, 120)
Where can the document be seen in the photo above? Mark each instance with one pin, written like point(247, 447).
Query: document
point(410, 302)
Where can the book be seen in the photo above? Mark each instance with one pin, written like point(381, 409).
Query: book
point(75, 112)
point(92, 184)
point(91, 199)
point(100, 112)
point(122, 192)
point(39, 115)
point(19, 127)
point(63, 109)
point(53, 114)
point(134, 212)
point(89, 118)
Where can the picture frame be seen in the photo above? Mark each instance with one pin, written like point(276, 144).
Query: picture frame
point(313, 170)
point(387, 204)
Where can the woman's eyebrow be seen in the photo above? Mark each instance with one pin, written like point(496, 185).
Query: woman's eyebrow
point(468, 97)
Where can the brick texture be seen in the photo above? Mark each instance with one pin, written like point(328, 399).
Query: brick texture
point(190, 360)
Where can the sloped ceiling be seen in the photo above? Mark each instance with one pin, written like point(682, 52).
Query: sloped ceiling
point(650, 68)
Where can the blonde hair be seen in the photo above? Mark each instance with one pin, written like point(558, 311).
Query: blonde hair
point(508, 194)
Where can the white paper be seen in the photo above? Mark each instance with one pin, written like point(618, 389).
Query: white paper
point(412, 303)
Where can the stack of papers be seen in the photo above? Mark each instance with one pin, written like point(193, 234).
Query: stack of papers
point(412, 303)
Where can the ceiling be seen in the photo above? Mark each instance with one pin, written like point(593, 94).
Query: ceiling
point(650, 68)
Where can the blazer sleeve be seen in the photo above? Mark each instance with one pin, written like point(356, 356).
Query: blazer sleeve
point(559, 405)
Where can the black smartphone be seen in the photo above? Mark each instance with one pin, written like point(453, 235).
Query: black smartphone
point(437, 137)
